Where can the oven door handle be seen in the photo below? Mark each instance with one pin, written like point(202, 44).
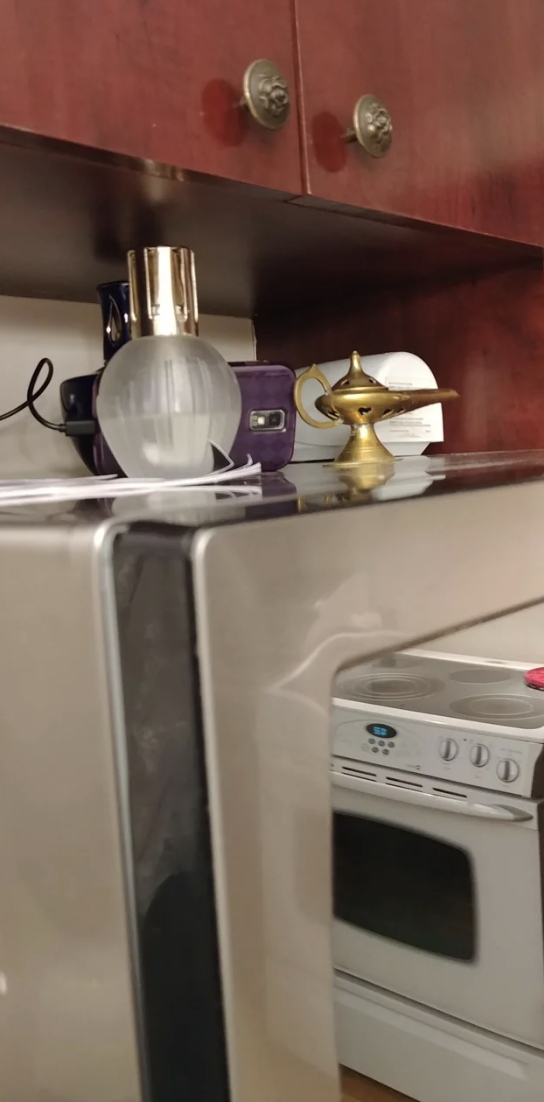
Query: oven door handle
point(501, 813)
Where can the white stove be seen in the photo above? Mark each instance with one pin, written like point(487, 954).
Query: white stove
point(461, 719)
point(438, 793)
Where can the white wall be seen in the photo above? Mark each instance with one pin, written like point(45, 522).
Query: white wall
point(516, 638)
point(70, 334)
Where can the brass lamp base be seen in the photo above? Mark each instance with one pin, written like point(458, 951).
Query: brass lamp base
point(363, 447)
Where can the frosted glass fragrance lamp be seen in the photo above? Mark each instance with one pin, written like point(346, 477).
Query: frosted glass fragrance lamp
point(166, 396)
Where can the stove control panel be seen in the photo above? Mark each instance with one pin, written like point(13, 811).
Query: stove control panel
point(433, 747)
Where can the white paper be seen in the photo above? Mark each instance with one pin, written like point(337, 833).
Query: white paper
point(23, 491)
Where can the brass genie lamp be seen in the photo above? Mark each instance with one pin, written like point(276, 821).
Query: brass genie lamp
point(360, 401)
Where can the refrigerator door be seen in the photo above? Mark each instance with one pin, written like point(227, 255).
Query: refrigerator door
point(69, 1012)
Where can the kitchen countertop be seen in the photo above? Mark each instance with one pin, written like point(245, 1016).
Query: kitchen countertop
point(356, 1088)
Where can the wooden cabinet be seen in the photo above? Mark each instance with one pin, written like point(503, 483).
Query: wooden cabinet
point(161, 81)
point(154, 79)
point(463, 81)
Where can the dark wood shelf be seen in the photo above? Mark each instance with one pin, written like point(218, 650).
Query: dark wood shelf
point(68, 216)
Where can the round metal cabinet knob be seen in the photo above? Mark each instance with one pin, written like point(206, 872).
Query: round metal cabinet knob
point(372, 126)
point(266, 94)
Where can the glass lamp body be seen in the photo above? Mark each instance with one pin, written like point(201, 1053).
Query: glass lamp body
point(163, 401)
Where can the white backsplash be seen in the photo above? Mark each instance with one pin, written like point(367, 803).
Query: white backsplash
point(70, 334)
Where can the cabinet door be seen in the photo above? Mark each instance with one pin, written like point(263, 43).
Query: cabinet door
point(154, 79)
point(463, 81)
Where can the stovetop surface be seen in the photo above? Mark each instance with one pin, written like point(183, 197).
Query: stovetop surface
point(448, 687)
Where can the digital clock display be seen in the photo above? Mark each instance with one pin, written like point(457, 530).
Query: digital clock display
point(381, 730)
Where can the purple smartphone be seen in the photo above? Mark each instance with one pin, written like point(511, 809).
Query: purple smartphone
point(267, 425)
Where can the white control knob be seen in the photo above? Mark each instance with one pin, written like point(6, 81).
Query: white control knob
point(507, 770)
point(479, 755)
point(448, 749)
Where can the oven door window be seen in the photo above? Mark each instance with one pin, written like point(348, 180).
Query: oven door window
point(406, 886)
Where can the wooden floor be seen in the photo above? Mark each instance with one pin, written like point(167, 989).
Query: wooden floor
point(358, 1089)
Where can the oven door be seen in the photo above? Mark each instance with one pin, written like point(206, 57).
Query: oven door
point(439, 899)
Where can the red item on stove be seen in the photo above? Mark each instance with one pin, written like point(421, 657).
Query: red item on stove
point(535, 678)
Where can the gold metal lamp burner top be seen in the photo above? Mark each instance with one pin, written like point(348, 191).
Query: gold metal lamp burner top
point(360, 402)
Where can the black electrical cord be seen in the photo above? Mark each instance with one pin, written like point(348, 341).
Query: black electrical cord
point(77, 428)
point(32, 394)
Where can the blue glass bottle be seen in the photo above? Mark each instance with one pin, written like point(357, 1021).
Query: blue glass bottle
point(78, 395)
point(115, 307)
